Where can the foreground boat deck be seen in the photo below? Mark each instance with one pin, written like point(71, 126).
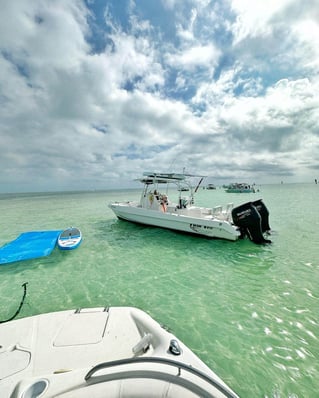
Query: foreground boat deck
point(100, 352)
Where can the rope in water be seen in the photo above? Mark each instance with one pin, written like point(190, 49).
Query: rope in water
point(24, 285)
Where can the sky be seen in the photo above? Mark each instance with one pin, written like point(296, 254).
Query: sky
point(93, 93)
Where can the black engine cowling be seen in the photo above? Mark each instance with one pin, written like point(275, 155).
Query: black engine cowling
point(252, 220)
point(264, 213)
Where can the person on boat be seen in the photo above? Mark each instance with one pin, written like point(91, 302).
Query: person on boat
point(151, 198)
point(164, 202)
point(157, 195)
point(164, 199)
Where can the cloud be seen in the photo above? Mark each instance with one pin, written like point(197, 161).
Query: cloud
point(113, 91)
point(199, 56)
point(255, 21)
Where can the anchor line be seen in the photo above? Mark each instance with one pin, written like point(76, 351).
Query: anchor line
point(24, 285)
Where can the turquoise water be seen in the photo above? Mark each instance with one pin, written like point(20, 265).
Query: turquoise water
point(250, 312)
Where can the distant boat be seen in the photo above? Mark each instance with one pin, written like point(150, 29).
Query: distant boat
point(69, 239)
point(240, 188)
point(210, 186)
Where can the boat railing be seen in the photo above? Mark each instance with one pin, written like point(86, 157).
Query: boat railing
point(221, 212)
point(157, 374)
point(217, 210)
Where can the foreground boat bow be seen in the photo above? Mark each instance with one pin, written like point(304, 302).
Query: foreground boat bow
point(100, 352)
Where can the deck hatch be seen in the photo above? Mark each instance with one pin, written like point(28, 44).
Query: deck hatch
point(82, 328)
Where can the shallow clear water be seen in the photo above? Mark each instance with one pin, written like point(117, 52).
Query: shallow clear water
point(250, 312)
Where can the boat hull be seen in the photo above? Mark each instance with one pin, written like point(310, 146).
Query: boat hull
point(156, 209)
point(240, 190)
point(182, 221)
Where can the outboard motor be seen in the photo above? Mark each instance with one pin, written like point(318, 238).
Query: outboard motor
point(264, 213)
point(249, 220)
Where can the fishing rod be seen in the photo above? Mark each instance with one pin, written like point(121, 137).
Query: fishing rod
point(200, 181)
point(24, 285)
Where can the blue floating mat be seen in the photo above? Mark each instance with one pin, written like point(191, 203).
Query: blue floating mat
point(29, 245)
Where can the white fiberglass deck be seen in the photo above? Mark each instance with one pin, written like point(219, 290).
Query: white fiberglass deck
point(98, 352)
